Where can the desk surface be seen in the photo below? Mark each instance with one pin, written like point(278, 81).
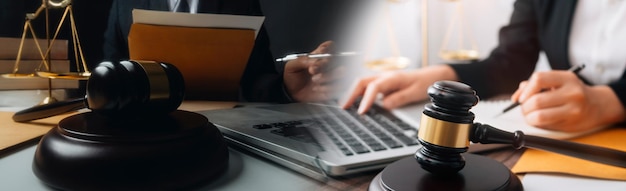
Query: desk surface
point(246, 170)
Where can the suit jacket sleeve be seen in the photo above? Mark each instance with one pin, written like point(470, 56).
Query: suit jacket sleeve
point(512, 61)
point(262, 80)
point(115, 47)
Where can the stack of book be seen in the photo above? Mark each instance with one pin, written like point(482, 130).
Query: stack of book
point(31, 61)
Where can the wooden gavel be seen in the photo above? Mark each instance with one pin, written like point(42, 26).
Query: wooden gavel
point(447, 127)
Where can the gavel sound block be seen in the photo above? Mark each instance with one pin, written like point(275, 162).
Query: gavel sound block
point(179, 150)
point(441, 163)
point(133, 138)
point(447, 127)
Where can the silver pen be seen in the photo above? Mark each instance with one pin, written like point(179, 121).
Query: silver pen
point(325, 55)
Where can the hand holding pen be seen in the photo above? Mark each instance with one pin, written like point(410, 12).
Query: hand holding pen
point(308, 80)
point(559, 100)
point(575, 69)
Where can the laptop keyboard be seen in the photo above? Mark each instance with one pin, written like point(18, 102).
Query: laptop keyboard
point(376, 130)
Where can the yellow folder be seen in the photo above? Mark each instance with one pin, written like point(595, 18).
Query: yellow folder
point(212, 60)
point(537, 161)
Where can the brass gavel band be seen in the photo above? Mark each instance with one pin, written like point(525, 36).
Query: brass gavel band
point(159, 83)
point(443, 133)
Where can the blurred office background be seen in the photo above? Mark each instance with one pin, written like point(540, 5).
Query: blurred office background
point(298, 26)
point(481, 20)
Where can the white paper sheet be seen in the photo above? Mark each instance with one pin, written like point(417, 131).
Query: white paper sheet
point(551, 182)
point(198, 20)
point(487, 112)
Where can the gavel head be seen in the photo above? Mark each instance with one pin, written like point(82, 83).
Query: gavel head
point(445, 126)
point(134, 88)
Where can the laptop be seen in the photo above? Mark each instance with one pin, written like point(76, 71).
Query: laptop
point(321, 139)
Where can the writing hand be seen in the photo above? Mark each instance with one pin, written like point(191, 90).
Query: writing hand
point(569, 104)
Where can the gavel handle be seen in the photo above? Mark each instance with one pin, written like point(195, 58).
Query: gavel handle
point(486, 134)
point(49, 110)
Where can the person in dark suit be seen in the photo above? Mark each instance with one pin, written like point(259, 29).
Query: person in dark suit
point(263, 80)
point(569, 33)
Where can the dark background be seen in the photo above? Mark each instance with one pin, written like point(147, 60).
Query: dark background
point(297, 26)
point(293, 25)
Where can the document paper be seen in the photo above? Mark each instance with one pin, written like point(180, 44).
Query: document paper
point(202, 20)
point(488, 112)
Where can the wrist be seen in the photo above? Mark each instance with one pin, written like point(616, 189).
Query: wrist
point(609, 107)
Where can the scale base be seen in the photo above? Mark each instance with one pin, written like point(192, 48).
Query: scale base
point(480, 174)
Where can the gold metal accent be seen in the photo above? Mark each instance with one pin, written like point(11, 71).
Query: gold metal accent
point(48, 100)
point(467, 54)
point(443, 133)
point(78, 52)
point(18, 75)
point(59, 4)
point(159, 83)
point(461, 53)
point(395, 61)
point(388, 63)
point(45, 57)
point(16, 68)
point(66, 76)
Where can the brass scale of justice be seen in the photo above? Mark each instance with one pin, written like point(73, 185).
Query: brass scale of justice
point(461, 53)
point(44, 70)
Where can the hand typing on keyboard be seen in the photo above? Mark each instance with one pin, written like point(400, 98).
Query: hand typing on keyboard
point(375, 130)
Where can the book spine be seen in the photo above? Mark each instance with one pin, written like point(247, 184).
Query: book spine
point(31, 83)
point(31, 66)
point(9, 48)
point(36, 84)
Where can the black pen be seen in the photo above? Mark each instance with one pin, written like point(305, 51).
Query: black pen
point(575, 69)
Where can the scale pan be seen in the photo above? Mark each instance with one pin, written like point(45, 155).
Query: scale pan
point(459, 55)
point(18, 76)
point(67, 76)
point(389, 63)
